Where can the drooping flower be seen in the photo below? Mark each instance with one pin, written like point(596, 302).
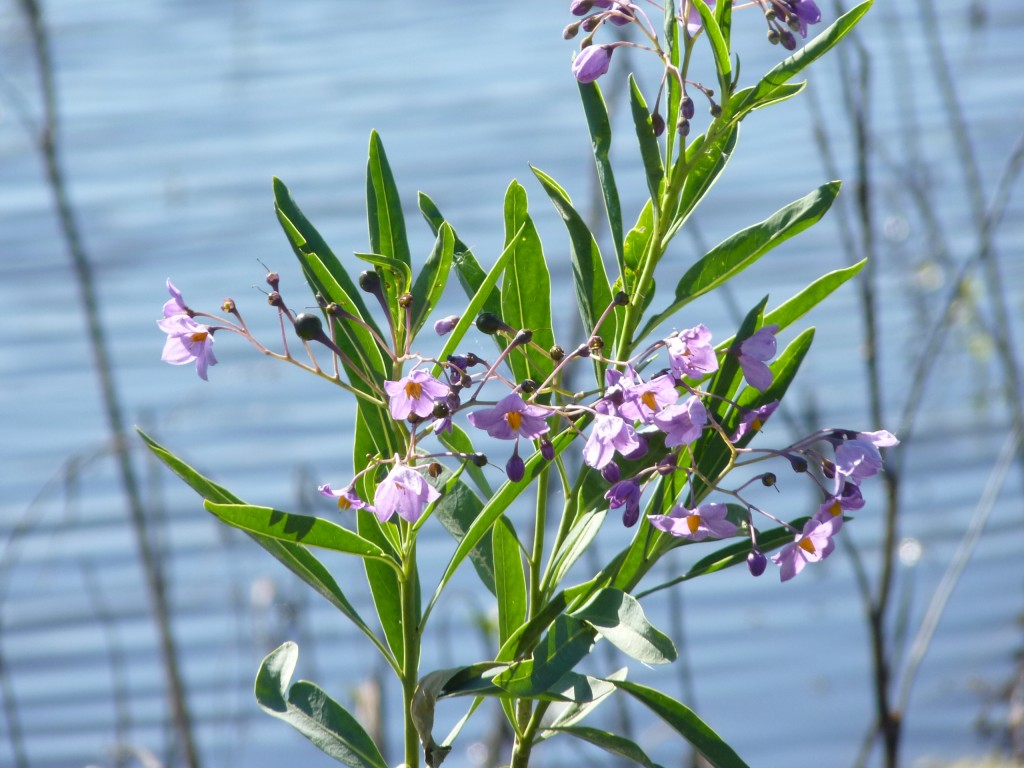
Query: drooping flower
point(754, 350)
point(833, 508)
point(754, 419)
point(812, 544)
point(682, 423)
point(592, 62)
point(641, 401)
point(404, 491)
point(511, 418)
point(625, 493)
point(691, 354)
point(414, 393)
point(609, 434)
point(706, 521)
point(347, 497)
point(187, 340)
point(175, 305)
point(859, 458)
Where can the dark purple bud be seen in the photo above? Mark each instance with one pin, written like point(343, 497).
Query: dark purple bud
point(683, 127)
point(716, 109)
point(580, 7)
point(516, 467)
point(640, 451)
point(687, 108)
point(621, 298)
point(547, 450)
point(590, 23)
point(308, 327)
point(472, 360)
point(525, 336)
point(592, 62)
point(623, 17)
point(768, 479)
point(787, 40)
point(667, 464)
point(611, 473)
point(657, 124)
point(630, 515)
point(459, 361)
point(756, 562)
point(798, 463)
point(369, 281)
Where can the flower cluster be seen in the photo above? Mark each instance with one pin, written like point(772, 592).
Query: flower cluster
point(633, 431)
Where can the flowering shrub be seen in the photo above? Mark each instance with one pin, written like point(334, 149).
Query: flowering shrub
point(656, 434)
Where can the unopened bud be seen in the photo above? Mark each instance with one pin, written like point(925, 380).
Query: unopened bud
point(273, 279)
point(657, 124)
point(687, 108)
point(798, 463)
point(611, 472)
point(274, 299)
point(571, 30)
point(525, 336)
point(308, 326)
point(515, 468)
point(405, 300)
point(446, 325)
point(228, 305)
point(683, 127)
point(756, 562)
point(768, 479)
point(488, 322)
point(369, 281)
point(547, 450)
point(480, 459)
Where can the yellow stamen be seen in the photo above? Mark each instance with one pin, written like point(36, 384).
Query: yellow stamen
point(344, 503)
point(807, 546)
point(514, 419)
point(413, 390)
point(835, 508)
point(756, 425)
point(649, 400)
point(693, 522)
point(199, 336)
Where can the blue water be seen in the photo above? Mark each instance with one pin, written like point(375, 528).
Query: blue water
point(175, 115)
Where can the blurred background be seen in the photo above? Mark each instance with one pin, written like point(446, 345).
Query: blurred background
point(141, 146)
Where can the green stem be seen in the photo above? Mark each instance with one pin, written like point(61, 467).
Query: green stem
point(524, 745)
point(540, 523)
point(411, 655)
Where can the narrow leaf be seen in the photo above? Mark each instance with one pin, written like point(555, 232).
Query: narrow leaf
point(509, 578)
point(456, 510)
point(650, 150)
point(431, 280)
point(312, 712)
point(685, 722)
point(612, 743)
point(384, 208)
point(601, 139)
point(719, 48)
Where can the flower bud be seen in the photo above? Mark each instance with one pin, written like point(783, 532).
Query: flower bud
point(788, 41)
point(580, 7)
point(756, 562)
point(488, 322)
point(528, 386)
point(657, 124)
point(683, 127)
point(571, 30)
point(773, 36)
point(687, 108)
point(274, 299)
point(405, 300)
point(228, 305)
point(308, 326)
point(798, 463)
point(441, 409)
point(445, 325)
point(547, 450)
point(611, 472)
point(273, 279)
point(515, 468)
point(621, 299)
point(768, 479)
point(369, 281)
point(716, 109)
point(592, 61)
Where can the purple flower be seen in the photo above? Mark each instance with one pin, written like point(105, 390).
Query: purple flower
point(414, 393)
point(610, 434)
point(445, 325)
point(753, 420)
point(625, 493)
point(694, 23)
point(812, 544)
point(404, 491)
point(682, 424)
point(706, 521)
point(691, 354)
point(175, 305)
point(805, 11)
point(856, 460)
point(347, 497)
point(832, 508)
point(444, 424)
point(754, 350)
point(187, 340)
point(592, 62)
point(511, 418)
point(641, 401)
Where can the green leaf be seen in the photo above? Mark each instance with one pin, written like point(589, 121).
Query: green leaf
point(612, 743)
point(637, 242)
point(526, 288)
point(798, 306)
point(312, 712)
point(383, 206)
point(650, 150)
point(385, 585)
point(468, 269)
point(706, 158)
point(601, 138)
point(786, 69)
point(583, 531)
point(685, 722)
point(719, 48)
point(509, 578)
point(593, 293)
point(456, 510)
point(299, 529)
point(576, 711)
point(424, 704)
point(484, 289)
point(739, 251)
point(431, 280)
point(396, 274)
point(620, 620)
point(566, 643)
point(295, 557)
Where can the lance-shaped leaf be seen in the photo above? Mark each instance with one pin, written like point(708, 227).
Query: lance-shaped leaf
point(295, 557)
point(719, 48)
point(576, 711)
point(612, 743)
point(706, 158)
point(299, 529)
point(383, 206)
point(621, 621)
point(431, 280)
point(786, 69)
point(685, 722)
point(509, 578)
point(312, 712)
point(739, 251)
point(650, 150)
point(456, 510)
point(593, 293)
point(468, 269)
point(526, 289)
point(601, 140)
point(799, 305)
